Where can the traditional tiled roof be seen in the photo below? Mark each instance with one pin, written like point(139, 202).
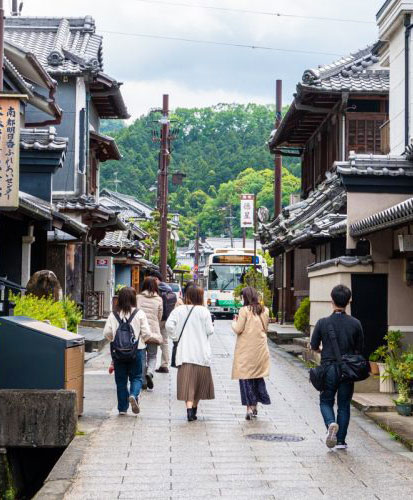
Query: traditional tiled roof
point(63, 46)
point(347, 261)
point(375, 165)
point(393, 216)
point(310, 218)
point(41, 209)
point(80, 204)
point(128, 206)
point(352, 72)
point(121, 240)
point(42, 139)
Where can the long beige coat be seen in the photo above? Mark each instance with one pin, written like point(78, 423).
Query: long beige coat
point(152, 306)
point(252, 357)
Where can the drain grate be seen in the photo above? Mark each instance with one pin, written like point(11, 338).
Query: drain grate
point(290, 438)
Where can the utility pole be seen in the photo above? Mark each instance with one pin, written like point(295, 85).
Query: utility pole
point(1, 43)
point(244, 237)
point(196, 259)
point(255, 233)
point(163, 186)
point(277, 199)
point(230, 225)
point(14, 8)
point(278, 158)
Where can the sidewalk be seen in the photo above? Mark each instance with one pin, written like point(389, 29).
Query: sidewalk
point(159, 455)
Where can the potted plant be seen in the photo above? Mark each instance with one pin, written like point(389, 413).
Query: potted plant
point(401, 371)
point(376, 359)
point(388, 354)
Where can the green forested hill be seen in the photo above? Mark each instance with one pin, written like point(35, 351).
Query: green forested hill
point(221, 149)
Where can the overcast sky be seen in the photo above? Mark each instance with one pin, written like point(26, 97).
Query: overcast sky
point(199, 75)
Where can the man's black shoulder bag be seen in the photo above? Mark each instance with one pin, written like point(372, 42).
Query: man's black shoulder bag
point(351, 367)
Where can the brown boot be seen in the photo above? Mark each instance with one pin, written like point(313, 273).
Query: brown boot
point(162, 369)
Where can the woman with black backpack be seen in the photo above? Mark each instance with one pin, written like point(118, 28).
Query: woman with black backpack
point(127, 328)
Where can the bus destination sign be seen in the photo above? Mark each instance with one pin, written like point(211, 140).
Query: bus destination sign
point(234, 259)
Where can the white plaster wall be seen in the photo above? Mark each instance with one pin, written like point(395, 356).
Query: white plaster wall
point(361, 205)
point(391, 29)
point(396, 96)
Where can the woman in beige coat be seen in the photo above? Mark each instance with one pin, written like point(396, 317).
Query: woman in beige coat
point(150, 302)
point(252, 357)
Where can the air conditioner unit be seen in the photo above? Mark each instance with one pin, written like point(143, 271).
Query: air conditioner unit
point(406, 242)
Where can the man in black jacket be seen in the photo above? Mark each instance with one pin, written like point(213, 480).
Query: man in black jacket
point(349, 333)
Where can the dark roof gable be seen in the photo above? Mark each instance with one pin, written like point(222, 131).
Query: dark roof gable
point(63, 46)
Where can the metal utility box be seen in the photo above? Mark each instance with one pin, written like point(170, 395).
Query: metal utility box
point(36, 355)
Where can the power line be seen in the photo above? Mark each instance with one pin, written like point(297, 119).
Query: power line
point(227, 44)
point(256, 12)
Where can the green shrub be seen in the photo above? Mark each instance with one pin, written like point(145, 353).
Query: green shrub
point(63, 314)
point(302, 317)
point(41, 309)
point(73, 314)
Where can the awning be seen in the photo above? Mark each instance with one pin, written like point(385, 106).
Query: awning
point(105, 147)
point(107, 98)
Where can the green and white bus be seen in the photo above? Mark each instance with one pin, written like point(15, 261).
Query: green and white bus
point(224, 272)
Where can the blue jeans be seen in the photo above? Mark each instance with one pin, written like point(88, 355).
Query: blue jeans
point(344, 392)
point(132, 371)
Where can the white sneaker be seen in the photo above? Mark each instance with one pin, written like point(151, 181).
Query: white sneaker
point(341, 446)
point(331, 438)
point(134, 404)
point(122, 413)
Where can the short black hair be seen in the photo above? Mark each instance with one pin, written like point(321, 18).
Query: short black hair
point(156, 274)
point(341, 295)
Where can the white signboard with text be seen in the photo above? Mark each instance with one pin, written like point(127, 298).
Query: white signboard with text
point(247, 210)
point(9, 152)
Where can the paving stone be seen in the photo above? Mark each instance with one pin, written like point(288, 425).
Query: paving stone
point(159, 455)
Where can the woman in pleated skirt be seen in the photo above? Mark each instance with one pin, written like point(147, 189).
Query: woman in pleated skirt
point(191, 326)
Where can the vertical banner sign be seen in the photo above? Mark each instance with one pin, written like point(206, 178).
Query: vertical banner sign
point(9, 152)
point(247, 210)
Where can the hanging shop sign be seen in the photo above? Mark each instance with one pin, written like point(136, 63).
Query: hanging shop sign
point(9, 151)
point(247, 210)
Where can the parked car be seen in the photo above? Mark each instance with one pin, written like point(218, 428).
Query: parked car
point(176, 288)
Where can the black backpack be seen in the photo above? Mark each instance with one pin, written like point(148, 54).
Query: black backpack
point(123, 348)
point(169, 302)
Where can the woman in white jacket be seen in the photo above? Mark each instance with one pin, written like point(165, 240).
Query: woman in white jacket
point(191, 326)
point(127, 312)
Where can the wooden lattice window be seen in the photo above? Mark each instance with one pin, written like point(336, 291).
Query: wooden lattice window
point(363, 132)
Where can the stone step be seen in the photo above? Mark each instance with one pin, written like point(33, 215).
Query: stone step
point(93, 323)
point(374, 401)
point(94, 339)
point(303, 342)
point(293, 349)
point(399, 426)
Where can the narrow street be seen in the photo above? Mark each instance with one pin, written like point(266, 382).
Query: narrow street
point(159, 455)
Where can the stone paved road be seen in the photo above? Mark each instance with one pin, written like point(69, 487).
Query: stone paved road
point(159, 455)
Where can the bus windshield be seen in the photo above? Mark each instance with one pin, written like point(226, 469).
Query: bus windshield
point(226, 277)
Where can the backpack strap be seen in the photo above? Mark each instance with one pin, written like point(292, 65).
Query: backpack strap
point(117, 317)
point(333, 338)
point(129, 320)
